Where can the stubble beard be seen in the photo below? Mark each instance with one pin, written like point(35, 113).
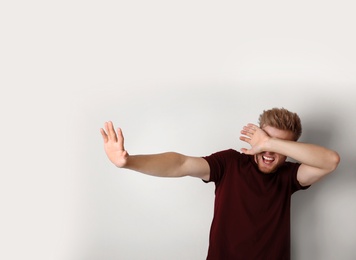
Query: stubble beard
point(264, 167)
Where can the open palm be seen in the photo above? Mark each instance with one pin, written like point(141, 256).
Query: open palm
point(114, 144)
point(255, 136)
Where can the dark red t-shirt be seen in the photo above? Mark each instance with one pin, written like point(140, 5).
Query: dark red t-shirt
point(252, 210)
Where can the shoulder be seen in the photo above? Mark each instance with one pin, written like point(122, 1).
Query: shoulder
point(229, 156)
point(229, 153)
point(226, 162)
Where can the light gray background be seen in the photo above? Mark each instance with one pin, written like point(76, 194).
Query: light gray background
point(179, 76)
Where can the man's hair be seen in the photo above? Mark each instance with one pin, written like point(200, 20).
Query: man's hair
point(282, 119)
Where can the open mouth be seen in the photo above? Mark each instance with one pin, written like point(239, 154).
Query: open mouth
point(267, 159)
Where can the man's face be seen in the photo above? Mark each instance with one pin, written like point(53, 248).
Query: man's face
point(269, 162)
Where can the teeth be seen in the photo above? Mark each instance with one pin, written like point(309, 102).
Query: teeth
point(268, 158)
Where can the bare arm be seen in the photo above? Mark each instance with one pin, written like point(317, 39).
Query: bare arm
point(316, 161)
point(162, 165)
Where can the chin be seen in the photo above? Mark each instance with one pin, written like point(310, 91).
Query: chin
point(266, 171)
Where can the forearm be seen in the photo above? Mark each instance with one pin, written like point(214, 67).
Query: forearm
point(308, 154)
point(161, 165)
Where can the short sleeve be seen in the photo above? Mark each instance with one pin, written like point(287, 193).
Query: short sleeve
point(295, 183)
point(218, 162)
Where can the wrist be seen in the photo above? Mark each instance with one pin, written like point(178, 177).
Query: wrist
point(122, 160)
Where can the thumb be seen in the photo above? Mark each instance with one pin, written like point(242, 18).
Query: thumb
point(247, 151)
point(244, 150)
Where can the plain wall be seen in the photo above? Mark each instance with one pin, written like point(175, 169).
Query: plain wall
point(180, 76)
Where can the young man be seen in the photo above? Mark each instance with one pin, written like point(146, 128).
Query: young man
point(253, 188)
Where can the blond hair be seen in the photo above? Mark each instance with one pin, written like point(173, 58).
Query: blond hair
point(282, 119)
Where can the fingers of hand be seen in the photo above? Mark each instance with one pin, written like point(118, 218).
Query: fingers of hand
point(120, 138)
point(104, 135)
point(251, 127)
point(119, 133)
point(110, 132)
point(245, 139)
point(249, 130)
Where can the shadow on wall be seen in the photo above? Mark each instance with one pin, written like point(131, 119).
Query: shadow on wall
point(319, 130)
point(320, 216)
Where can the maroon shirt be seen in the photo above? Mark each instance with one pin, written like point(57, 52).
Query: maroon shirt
point(252, 210)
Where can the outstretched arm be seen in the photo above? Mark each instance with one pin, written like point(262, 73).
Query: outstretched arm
point(162, 165)
point(316, 161)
